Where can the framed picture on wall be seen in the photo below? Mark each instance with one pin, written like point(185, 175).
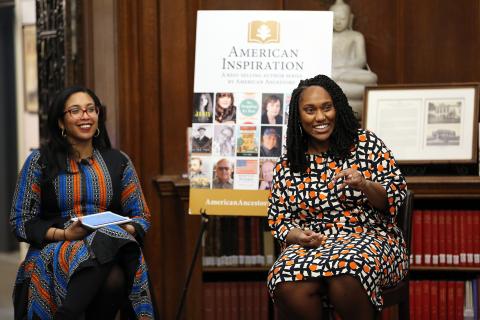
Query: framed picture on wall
point(30, 73)
point(425, 123)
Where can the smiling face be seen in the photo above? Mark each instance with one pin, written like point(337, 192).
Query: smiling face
point(317, 117)
point(79, 129)
point(267, 170)
point(224, 101)
point(273, 108)
point(269, 141)
point(223, 170)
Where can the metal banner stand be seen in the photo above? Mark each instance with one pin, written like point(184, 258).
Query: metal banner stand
point(203, 227)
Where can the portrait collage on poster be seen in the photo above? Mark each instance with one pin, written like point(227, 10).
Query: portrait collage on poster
point(236, 139)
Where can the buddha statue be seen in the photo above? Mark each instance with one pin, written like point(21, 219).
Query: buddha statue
point(349, 58)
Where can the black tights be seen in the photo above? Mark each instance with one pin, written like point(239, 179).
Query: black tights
point(100, 291)
point(303, 300)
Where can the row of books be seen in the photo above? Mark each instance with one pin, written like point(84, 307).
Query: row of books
point(238, 241)
point(235, 300)
point(446, 237)
point(444, 300)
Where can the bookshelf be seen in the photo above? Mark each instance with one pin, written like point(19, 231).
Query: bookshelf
point(446, 287)
point(430, 192)
point(240, 288)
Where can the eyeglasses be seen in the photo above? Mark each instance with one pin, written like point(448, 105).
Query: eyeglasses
point(77, 112)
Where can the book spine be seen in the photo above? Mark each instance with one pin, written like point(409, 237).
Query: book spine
point(241, 240)
point(418, 314)
point(209, 300)
point(219, 302)
point(459, 299)
point(451, 299)
point(434, 300)
point(470, 236)
point(234, 298)
point(411, 298)
point(417, 238)
point(425, 289)
point(442, 300)
point(435, 241)
point(476, 238)
point(442, 253)
point(449, 230)
point(456, 237)
point(463, 237)
point(427, 237)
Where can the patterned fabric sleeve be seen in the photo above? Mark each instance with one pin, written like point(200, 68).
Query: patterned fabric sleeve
point(280, 217)
point(133, 201)
point(385, 171)
point(25, 212)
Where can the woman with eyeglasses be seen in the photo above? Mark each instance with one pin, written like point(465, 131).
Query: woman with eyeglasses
point(70, 271)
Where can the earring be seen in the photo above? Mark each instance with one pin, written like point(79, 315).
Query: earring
point(64, 134)
point(301, 130)
point(97, 133)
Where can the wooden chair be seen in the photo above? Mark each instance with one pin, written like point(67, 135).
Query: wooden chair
point(399, 295)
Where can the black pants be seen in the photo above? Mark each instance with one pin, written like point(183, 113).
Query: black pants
point(98, 292)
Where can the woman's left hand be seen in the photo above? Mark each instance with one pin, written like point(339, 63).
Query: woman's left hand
point(129, 228)
point(351, 178)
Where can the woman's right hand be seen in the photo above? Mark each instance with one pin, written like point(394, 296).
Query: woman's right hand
point(305, 238)
point(75, 231)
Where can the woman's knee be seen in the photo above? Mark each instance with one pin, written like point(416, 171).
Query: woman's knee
point(343, 285)
point(287, 290)
point(115, 282)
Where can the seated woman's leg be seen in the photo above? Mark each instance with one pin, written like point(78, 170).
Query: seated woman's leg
point(300, 299)
point(82, 288)
point(111, 296)
point(349, 298)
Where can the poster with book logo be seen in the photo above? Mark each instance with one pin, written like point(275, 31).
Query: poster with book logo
point(246, 65)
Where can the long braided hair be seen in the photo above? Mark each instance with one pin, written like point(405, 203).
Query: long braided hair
point(344, 135)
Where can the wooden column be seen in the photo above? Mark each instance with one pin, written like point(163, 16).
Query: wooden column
point(179, 232)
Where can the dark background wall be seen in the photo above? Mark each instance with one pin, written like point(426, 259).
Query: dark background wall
point(8, 135)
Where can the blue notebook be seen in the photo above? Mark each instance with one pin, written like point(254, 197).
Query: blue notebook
point(102, 219)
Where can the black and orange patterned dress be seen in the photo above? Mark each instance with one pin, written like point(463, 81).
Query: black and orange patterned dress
point(107, 181)
point(361, 241)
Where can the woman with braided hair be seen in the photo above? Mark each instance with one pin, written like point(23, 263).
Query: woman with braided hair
point(333, 205)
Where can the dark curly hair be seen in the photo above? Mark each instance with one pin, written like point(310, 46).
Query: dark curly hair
point(55, 150)
point(344, 135)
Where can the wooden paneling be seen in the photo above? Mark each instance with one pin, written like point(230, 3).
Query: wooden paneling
point(176, 77)
point(241, 5)
point(377, 20)
point(307, 4)
point(138, 86)
point(442, 41)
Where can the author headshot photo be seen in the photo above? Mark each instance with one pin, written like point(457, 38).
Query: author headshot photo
point(201, 143)
point(272, 108)
point(225, 110)
point(223, 172)
point(270, 145)
point(203, 107)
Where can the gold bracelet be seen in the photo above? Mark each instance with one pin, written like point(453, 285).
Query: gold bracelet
point(54, 230)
